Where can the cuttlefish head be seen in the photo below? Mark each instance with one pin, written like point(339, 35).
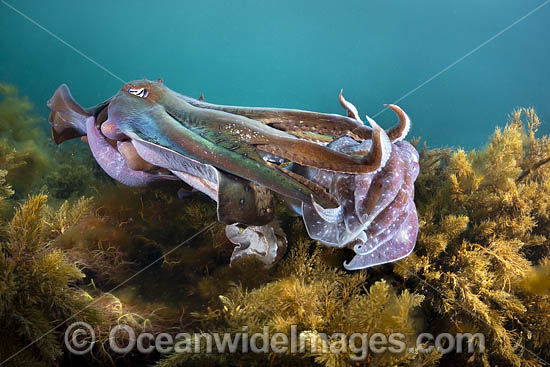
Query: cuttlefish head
point(113, 151)
point(150, 90)
point(143, 91)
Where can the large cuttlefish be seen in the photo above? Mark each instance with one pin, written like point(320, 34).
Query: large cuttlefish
point(353, 184)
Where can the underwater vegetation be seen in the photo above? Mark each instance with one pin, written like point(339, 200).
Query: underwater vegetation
point(314, 297)
point(484, 224)
point(33, 164)
point(42, 290)
point(21, 138)
point(481, 264)
point(36, 288)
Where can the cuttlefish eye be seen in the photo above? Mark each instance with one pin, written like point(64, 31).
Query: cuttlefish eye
point(138, 92)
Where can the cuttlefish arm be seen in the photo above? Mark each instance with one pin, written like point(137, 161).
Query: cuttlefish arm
point(239, 133)
point(144, 121)
point(292, 120)
point(298, 121)
point(399, 131)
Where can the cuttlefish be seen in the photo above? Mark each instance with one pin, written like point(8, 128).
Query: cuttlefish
point(244, 157)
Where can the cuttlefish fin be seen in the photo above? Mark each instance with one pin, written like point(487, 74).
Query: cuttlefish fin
point(67, 117)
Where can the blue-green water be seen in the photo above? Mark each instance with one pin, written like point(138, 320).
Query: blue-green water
point(295, 54)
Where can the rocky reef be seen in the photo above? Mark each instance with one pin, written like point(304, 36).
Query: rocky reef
point(74, 246)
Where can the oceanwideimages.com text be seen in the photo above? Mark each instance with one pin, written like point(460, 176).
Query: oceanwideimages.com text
point(80, 339)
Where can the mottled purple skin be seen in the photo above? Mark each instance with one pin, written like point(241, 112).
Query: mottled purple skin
point(112, 162)
point(378, 218)
point(398, 247)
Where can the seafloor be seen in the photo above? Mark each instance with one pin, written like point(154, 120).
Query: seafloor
point(72, 242)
